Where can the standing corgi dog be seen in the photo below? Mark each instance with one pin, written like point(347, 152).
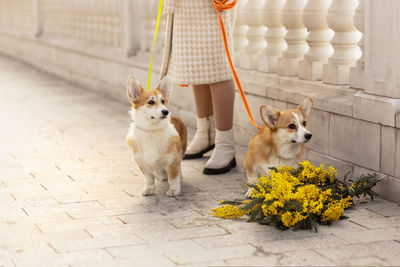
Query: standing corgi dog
point(158, 141)
point(280, 142)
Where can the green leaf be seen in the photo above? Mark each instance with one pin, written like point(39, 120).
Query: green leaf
point(250, 205)
point(232, 202)
point(256, 214)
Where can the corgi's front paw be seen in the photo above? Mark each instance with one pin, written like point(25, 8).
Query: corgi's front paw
point(148, 191)
point(173, 192)
point(174, 186)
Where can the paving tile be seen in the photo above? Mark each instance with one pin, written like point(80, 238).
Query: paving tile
point(182, 222)
point(180, 234)
point(387, 250)
point(6, 263)
point(133, 228)
point(361, 212)
point(374, 223)
point(205, 263)
point(161, 215)
point(214, 254)
point(14, 227)
point(153, 249)
point(76, 224)
point(256, 238)
point(63, 259)
point(296, 258)
point(242, 226)
point(97, 242)
point(341, 227)
point(309, 242)
point(109, 211)
point(384, 208)
point(147, 261)
point(370, 235)
point(365, 261)
point(39, 243)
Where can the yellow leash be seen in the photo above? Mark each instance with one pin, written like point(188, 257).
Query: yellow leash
point(160, 5)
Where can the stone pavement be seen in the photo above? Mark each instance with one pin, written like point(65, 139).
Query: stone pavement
point(70, 196)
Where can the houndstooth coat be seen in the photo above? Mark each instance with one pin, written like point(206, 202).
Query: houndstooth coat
point(194, 52)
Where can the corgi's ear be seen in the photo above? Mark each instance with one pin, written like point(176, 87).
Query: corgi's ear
point(165, 87)
point(306, 107)
point(269, 115)
point(134, 89)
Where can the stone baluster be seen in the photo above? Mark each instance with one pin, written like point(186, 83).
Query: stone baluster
point(129, 11)
point(108, 13)
point(103, 20)
point(79, 11)
point(91, 26)
point(357, 73)
point(255, 34)
point(98, 23)
point(115, 33)
point(314, 19)
point(85, 11)
point(150, 16)
point(143, 23)
point(152, 22)
point(161, 35)
point(271, 16)
point(295, 36)
point(239, 34)
point(344, 42)
point(37, 21)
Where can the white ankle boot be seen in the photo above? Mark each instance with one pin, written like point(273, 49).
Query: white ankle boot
point(203, 140)
point(223, 156)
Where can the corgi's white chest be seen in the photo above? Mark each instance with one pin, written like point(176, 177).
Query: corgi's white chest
point(275, 160)
point(152, 145)
point(263, 168)
point(150, 149)
point(289, 153)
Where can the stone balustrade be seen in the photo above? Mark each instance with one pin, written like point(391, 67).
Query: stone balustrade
point(294, 38)
point(318, 40)
point(16, 16)
point(289, 37)
point(252, 17)
point(276, 44)
point(95, 21)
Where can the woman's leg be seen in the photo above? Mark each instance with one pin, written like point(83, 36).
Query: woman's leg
point(203, 101)
point(223, 156)
point(223, 100)
point(203, 140)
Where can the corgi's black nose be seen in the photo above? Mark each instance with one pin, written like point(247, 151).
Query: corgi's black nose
point(165, 112)
point(308, 136)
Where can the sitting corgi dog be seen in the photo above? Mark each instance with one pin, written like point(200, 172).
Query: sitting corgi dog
point(158, 141)
point(280, 142)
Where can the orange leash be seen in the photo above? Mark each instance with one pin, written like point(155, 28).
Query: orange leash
point(221, 5)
